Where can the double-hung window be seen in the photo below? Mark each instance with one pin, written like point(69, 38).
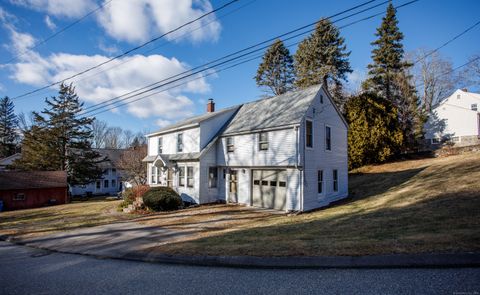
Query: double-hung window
point(474, 107)
point(181, 176)
point(179, 142)
point(230, 145)
point(328, 138)
point(212, 177)
point(263, 141)
point(153, 177)
point(160, 145)
point(190, 176)
point(320, 181)
point(335, 180)
point(308, 133)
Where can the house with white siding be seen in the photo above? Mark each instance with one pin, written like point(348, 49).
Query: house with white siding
point(456, 119)
point(287, 152)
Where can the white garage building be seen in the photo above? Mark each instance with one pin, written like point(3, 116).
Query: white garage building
point(287, 152)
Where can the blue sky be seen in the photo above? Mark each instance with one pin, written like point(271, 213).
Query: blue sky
point(122, 24)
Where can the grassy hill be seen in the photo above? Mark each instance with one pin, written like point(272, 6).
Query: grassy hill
point(428, 205)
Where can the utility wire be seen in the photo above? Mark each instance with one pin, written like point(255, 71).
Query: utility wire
point(128, 51)
point(43, 41)
point(221, 63)
point(218, 62)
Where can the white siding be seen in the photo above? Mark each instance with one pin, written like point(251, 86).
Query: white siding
point(191, 142)
point(209, 128)
point(208, 195)
point(454, 117)
point(318, 158)
point(108, 176)
point(281, 150)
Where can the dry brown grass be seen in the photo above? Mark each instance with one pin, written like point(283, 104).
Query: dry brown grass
point(429, 205)
point(42, 221)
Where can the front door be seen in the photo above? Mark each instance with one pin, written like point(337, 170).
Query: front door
point(233, 187)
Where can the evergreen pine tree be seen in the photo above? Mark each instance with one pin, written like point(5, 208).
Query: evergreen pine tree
point(387, 58)
point(275, 72)
point(323, 58)
point(59, 140)
point(8, 128)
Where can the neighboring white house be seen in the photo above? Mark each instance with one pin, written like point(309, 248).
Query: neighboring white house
point(455, 119)
point(287, 152)
point(8, 161)
point(111, 182)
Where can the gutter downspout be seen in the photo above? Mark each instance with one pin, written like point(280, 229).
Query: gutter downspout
point(297, 160)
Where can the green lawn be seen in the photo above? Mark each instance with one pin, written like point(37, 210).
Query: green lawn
point(429, 205)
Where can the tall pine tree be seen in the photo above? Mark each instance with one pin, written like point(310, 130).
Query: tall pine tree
point(8, 128)
point(275, 72)
point(60, 140)
point(388, 58)
point(323, 58)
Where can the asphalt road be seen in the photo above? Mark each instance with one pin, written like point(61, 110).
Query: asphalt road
point(25, 270)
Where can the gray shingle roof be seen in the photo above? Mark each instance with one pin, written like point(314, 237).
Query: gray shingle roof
point(281, 110)
point(194, 120)
point(10, 180)
point(174, 157)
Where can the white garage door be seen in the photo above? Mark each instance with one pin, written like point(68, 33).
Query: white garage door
point(269, 189)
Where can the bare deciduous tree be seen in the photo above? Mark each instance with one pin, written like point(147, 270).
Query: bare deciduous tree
point(132, 166)
point(128, 137)
point(471, 75)
point(99, 129)
point(113, 138)
point(433, 76)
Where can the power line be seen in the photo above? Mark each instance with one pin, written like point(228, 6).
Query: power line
point(266, 42)
point(453, 70)
point(448, 42)
point(128, 51)
point(43, 41)
point(211, 67)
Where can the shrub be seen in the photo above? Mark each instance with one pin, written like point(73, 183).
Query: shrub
point(131, 194)
point(162, 199)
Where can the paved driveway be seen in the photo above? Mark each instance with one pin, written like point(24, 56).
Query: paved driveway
point(141, 235)
point(29, 271)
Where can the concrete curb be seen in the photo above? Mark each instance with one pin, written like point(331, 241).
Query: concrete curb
point(430, 260)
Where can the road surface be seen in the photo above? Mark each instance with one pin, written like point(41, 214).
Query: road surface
point(25, 270)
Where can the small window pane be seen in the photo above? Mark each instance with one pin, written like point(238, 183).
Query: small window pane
point(474, 107)
point(273, 183)
point(264, 182)
point(282, 184)
point(256, 182)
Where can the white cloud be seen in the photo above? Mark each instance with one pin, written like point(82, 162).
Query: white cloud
point(162, 123)
point(137, 21)
point(355, 79)
point(67, 8)
point(109, 49)
point(50, 24)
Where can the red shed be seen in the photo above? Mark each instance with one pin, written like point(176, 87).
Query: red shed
point(30, 189)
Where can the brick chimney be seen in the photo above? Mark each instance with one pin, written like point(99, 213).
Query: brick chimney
point(210, 106)
point(464, 89)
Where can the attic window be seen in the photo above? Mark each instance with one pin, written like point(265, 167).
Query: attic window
point(458, 96)
point(230, 145)
point(179, 142)
point(474, 107)
point(321, 98)
point(160, 145)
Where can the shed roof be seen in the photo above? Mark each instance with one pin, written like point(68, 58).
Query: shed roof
point(280, 110)
point(10, 180)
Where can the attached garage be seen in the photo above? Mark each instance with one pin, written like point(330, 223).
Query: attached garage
point(269, 189)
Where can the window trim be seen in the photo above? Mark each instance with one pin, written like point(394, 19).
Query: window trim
point(214, 182)
point(260, 142)
point(181, 178)
point(306, 145)
point(190, 177)
point(179, 142)
point(160, 145)
point(320, 182)
point(329, 146)
point(335, 180)
point(231, 144)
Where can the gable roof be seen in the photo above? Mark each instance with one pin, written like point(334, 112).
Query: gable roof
point(192, 121)
point(281, 110)
point(10, 180)
point(113, 156)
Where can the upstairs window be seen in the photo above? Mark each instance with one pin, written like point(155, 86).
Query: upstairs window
point(308, 133)
point(335, 180)
point(474, 107)
point(230, 145)
point(321, 98)
point(190, 176)
point(320, 181)
point(212, 177)
point(114, 171)
point(105, 183)
point(179, 142)
point(263, 141)
point(160, 145)
point(328, 138)
point(181, 176)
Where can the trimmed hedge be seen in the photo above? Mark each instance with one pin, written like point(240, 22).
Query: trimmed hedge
point(162, 199)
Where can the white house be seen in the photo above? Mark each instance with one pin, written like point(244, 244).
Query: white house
point(455, 119)
point(111, 182)
point(287, 152)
